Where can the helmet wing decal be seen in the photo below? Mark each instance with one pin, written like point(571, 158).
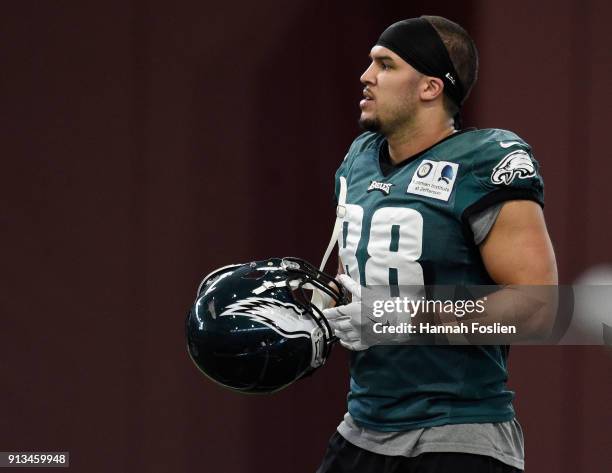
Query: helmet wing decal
point(284, 318)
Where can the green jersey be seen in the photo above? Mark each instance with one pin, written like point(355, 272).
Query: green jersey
point(410, 226)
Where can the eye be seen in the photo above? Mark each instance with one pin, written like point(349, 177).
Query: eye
point(384, 66)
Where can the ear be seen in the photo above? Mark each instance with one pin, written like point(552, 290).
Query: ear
point(432, 88)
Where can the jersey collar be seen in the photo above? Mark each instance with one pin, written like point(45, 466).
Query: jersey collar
point(384, 159)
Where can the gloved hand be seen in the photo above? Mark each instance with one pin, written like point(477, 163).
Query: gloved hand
point(346, 320)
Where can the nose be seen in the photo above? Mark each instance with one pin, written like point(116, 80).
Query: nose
point(368, 77)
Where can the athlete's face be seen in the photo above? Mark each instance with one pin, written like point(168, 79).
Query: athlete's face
point(390, 94)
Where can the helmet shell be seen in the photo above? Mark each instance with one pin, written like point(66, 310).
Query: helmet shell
point(246, 330)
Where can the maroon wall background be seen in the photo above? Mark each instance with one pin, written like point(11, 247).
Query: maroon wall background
point(144, 144)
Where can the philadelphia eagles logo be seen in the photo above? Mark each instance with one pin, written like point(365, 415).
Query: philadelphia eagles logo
point(284, 318)
point(384, 187)
point(516, 164)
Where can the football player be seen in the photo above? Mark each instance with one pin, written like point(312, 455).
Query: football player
point(428, 203)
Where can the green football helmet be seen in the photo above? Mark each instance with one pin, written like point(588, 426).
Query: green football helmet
point(253, 327)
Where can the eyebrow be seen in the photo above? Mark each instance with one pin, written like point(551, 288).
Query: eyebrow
point(380, 58)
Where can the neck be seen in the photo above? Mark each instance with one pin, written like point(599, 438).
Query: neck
point(413, 139)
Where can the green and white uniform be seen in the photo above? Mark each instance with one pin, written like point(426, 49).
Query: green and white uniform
point(411, 226)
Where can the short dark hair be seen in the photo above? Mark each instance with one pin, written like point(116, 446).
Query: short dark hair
point(463, 53)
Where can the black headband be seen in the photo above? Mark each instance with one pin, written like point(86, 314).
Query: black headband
point(418, 43)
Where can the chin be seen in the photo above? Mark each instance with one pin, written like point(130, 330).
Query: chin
point(369, 123)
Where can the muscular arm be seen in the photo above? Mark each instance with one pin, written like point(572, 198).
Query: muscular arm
point(518, 249)
point(518, 253)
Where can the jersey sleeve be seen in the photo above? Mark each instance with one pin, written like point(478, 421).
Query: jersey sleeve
point(503, 169)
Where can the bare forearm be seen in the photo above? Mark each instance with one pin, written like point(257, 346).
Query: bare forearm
point(528, 312)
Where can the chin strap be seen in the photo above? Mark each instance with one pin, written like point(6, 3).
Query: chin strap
point(319, 298)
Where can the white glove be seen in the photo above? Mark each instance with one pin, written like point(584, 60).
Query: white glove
point(346, 320)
